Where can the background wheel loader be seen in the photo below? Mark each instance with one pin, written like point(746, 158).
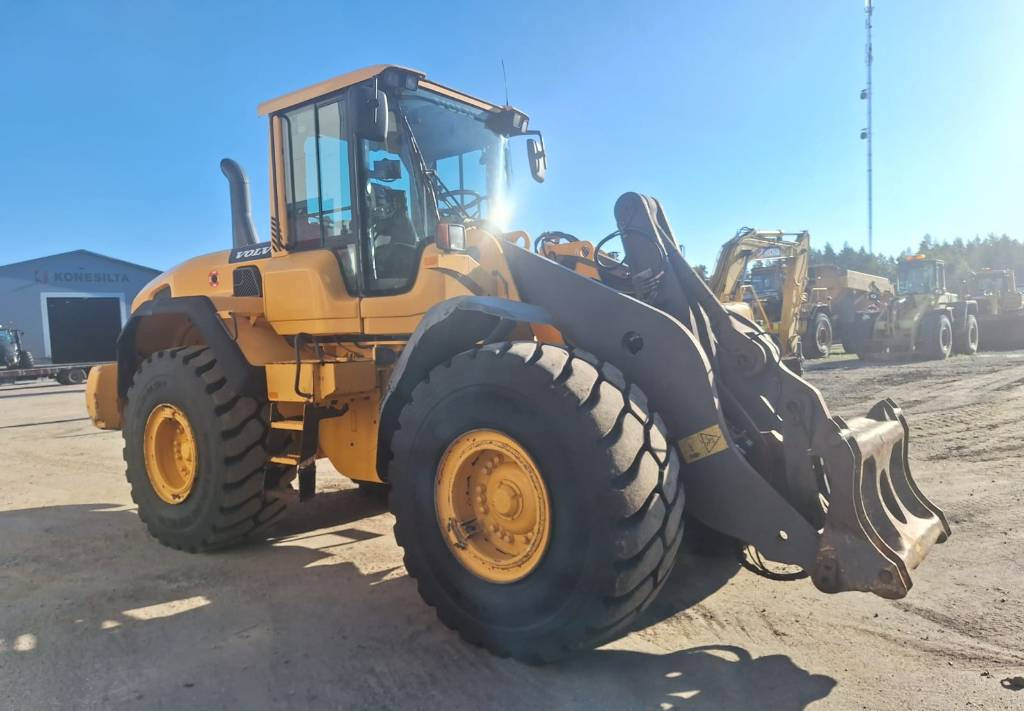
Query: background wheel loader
point(922, 320)
point(1000, 307)
point(542, 432)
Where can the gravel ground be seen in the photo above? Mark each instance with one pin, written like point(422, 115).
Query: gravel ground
point(96, 615)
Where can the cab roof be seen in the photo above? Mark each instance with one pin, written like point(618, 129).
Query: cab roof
point(338, 83)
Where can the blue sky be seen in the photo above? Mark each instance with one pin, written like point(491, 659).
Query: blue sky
point(732, 112)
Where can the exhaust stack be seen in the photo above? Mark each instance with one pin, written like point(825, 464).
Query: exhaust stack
point(243, 233)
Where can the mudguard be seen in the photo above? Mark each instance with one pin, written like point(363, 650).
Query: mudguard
point(202, 315)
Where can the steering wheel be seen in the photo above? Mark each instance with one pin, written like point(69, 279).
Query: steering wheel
point(473, 207)
point(616, 273)
point(395, 259)
point(553, 237)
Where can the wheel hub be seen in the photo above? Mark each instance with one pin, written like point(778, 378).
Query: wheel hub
point(169, 446)
point(492, 506)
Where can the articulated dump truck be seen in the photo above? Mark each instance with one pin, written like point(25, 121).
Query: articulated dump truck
point(541, 432)
point(850, 294)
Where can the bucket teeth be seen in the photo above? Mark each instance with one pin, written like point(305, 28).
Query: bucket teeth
point(879, 524)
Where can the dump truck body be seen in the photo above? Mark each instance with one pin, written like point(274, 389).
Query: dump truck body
point(540, 428)
point(849, 294)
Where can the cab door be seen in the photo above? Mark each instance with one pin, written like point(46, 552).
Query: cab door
point(400, 269)
point(311, 283)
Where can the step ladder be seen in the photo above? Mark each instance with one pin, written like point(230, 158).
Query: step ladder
point(302, 455)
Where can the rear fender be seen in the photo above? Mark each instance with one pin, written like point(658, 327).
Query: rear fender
point(188, 320)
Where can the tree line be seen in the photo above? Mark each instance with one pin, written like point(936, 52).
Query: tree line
point(960, 256)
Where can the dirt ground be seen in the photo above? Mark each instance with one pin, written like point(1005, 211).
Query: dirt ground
point(96, 615)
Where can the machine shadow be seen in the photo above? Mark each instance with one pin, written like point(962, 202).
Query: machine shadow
point(173, 629)
point(708, 678)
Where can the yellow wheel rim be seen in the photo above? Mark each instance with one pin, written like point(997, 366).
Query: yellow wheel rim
point(170, 449)
point(492, 506)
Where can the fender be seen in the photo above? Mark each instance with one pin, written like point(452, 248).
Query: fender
point(202, 315)
point(449, 327)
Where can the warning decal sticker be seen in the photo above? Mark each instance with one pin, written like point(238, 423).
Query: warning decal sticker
point(702, 444)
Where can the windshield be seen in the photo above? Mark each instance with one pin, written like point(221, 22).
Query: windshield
point(467, 159)
point(765, 281)
point(987, 284)
point(916, 278)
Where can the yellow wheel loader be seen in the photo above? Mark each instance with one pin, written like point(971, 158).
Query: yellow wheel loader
point(1000, 307)
point(541, 432)
point(923, 319)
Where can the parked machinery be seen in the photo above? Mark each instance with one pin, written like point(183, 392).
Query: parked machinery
point(849, 293)
point(924, 319)
point(12, 354)
point(1000, 307)
point(763, 275)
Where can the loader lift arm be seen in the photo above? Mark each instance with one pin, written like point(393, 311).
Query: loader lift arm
point(765, 460)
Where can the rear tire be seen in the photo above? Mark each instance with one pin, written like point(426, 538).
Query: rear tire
point(936, 337)
point(616, 500)
point(227, 501)
point(966, 340)
point(817, 341)
point(75, 376)
point(26, 360)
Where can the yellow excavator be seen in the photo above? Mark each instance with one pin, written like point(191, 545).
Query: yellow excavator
point(762, 275)
point(541, 432)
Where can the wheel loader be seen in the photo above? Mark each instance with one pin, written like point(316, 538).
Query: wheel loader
point(1000, 307)
point(541, 432)
point(923, 319)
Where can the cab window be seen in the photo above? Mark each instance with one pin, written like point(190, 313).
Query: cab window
point(318, 182)
point(399, 213)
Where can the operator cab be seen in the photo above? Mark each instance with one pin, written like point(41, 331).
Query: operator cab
point(369, 164)
point(917, 275)
point(991, 281)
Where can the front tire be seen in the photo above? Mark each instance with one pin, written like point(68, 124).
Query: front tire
point(181, 412)
point(966, 340)
point(818, 338)
point(613, 498)
point(936, 337)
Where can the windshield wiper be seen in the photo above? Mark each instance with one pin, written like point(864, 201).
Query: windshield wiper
point(432, 179)
point(421, 162)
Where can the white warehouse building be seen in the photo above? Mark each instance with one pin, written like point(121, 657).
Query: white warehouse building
point(70, 306)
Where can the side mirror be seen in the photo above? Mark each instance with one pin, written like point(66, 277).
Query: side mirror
point(450, 236)
point(538, 158)
point(369, 109)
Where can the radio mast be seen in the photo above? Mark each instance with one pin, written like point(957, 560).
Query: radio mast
point(866, 133)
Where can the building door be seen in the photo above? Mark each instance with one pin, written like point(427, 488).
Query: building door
point(83, 329)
